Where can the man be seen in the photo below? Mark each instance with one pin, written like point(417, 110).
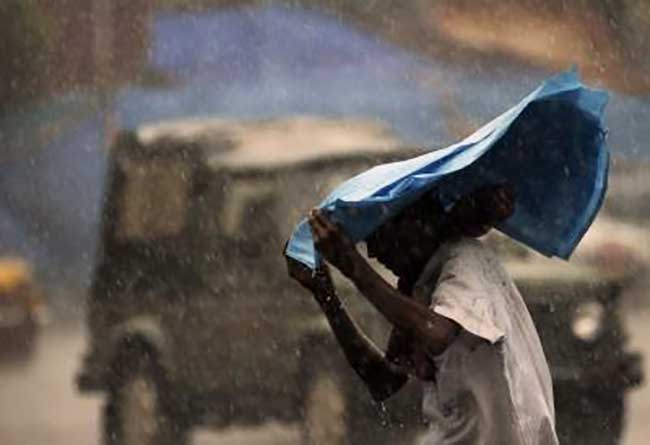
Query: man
point(460, 325)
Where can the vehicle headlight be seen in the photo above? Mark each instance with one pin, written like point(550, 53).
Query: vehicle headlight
point(587, 322)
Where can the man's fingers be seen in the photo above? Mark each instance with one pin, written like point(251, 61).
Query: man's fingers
point(317, 220)
point(325, 225)
point(325, 221)
point(322, 228)
point(318, 230)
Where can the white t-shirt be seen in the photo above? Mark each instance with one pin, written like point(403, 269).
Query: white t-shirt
point(493, 385)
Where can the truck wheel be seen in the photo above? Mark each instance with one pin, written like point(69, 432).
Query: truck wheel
point(137, 411)
point(325, 420)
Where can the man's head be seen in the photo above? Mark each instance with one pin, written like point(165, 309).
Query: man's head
point(477, 213)
point(409, 238)
point(406, 242)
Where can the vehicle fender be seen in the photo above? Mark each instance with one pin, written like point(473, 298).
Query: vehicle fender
point(145, 331)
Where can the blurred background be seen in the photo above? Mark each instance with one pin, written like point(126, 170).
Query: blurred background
point(77, 73)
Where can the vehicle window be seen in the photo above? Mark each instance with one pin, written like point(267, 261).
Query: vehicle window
point(154, 199)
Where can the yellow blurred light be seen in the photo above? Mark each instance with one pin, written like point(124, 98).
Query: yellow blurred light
point(14, 272)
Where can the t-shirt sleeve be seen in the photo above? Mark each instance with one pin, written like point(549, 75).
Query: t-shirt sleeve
point(461, 294)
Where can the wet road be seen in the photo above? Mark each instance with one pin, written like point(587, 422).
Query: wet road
point(39, 404)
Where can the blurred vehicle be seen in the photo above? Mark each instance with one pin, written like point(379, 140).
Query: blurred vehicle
point(22, 310)
point(193, 322)
point(575, 308)
point(191, 316)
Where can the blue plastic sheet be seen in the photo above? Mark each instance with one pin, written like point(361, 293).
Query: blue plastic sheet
point(550, 147)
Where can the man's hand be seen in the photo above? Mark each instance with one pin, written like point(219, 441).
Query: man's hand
point(301, 273)
point(319, 282)
point(310, 280)
point(332, 243)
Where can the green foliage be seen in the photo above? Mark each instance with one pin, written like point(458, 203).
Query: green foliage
point(24, 50)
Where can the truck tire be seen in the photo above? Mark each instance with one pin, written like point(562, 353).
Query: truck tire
point(138, 410)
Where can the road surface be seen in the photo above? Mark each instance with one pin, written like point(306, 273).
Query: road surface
point(40, 406)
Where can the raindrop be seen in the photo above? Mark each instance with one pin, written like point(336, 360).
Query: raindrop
point(383, 414)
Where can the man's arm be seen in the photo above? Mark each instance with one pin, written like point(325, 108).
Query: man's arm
point(431, 330)
point(416, 319)
point(382, 377)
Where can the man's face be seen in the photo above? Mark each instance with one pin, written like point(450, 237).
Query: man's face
point(408, 240)
point(402, 243)
point(475, 214)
